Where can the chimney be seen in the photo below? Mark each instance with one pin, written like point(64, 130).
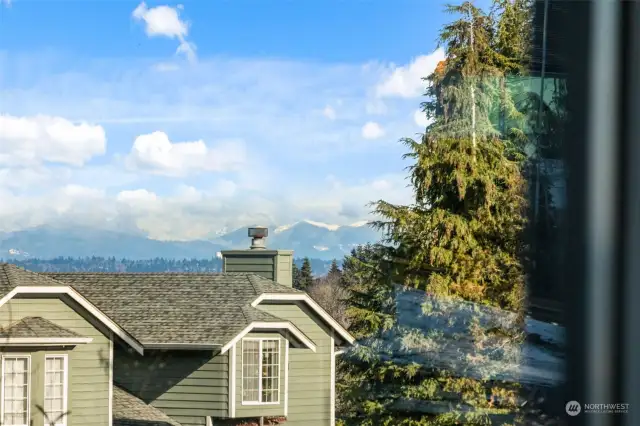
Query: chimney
point(276, 265)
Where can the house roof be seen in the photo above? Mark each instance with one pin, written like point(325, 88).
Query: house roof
point(129, 410)
point(36, 327)
point(164, 308)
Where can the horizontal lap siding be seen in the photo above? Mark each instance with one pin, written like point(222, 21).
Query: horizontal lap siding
point(259, 410)
point(187, 385)
point(88, 399)
point(309, 372)
point(262, 265)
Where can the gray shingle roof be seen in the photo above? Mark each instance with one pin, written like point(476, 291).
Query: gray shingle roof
point(36, 327)
point(156, 308)
point(129, 410)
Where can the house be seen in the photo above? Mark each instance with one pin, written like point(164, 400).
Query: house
point(167, 349)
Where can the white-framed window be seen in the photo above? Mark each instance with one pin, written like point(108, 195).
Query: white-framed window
point(260, 371)
point(55, 390)
point(15, 390)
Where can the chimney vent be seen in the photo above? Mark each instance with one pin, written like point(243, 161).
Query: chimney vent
point(258, 236)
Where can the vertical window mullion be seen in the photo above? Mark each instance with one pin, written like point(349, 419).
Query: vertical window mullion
point(260, 371)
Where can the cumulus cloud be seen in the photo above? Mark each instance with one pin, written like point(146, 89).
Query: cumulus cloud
point(329, 112)
point(372, 130)
point(164, 21)
point(406, 81)
point(156, 153)
point(420, 118)
point(196, 108)
point(33, 140)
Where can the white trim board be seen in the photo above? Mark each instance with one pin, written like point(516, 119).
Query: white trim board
point(332, 401)
point(182, 346)
point(77, 297)
point(44, 341)
point(232, 379)
point(270, 326)
point(286, 377)
point(111, 344)
point(275, 297)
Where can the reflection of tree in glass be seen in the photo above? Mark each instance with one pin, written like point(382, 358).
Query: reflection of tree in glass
point(460, 243)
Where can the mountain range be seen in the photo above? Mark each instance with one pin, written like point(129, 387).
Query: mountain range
point(307, 238)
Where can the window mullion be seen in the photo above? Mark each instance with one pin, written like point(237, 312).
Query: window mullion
point(260, 371)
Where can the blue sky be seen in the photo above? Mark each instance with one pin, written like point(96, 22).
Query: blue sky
point(181, 118)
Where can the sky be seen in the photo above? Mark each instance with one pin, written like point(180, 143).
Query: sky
point(181, 119)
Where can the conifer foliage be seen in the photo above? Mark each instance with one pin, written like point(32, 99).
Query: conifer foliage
point(459, 242)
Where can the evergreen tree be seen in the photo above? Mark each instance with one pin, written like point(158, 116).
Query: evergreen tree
point(459, 242)
point(295, 272)
point(306, 274)
point(334, 270)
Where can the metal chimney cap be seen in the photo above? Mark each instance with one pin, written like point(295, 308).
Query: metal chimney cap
point(258, 232)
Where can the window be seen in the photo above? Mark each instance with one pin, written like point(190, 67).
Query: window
point(55, 390)
point(15, 391)
point(260, 371)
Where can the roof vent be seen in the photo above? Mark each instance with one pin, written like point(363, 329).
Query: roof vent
point(258, 236)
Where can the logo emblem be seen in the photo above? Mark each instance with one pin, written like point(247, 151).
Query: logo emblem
point(573, 408)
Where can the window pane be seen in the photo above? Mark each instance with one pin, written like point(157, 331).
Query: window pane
point(250, 370)
point(54, 403)
point(270, 370)
point(16, 391)
point(260, 370)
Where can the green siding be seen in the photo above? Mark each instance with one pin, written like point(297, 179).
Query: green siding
point(259, 410)
point(88, 394)
point(284, 268)
point(187, 385)
point(258, 263)
point(276, 265)
point(309, 373)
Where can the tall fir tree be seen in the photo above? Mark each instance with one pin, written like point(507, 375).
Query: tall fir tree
point(334, 270)
point(295, 273)
point(459, 242)
point(306, 274)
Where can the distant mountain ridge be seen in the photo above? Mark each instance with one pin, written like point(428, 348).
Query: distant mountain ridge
point(307, 238)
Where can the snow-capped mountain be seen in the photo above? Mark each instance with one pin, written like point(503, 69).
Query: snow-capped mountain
point(307, 238)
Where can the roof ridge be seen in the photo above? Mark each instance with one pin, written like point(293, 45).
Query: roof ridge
point(251, 278)
point(11, 269)
point(244, 314)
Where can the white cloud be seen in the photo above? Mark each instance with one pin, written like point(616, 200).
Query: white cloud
point(165, 21)
point(33, 140)
point(156, 153)
point(420, 118)
point(406, 81)
point(225, 188)
point(372, 130)
point(136, 197)
point(195, 108)
point(329, 112)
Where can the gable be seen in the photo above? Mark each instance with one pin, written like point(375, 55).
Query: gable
point(310, 308)
point(74, 301)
